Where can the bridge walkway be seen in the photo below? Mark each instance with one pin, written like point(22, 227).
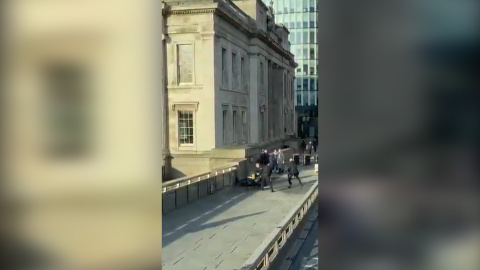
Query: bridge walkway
point(221, 231)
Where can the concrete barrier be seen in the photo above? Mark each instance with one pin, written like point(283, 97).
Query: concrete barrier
point(179, 192)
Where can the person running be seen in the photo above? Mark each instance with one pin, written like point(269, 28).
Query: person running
point(293, 172)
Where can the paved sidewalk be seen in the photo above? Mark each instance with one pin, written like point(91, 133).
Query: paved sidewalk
point(222, 231)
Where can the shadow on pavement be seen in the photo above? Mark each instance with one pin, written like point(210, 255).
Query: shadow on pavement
point(170, 237)
point(187, 219)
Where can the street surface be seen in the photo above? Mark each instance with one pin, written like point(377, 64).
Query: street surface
point(223, 230)
point(307, 257)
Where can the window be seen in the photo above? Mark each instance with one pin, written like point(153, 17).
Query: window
point(305, 69)
point(312, 5)
point(313, 98)
point(312, 53)
point(66, 112)
point(185, 63)
point(305, 37)
point(312, 37)
point(312, 71)
point(242, 73)
point(299, 99)
point(224, 123)
point(305, 53)
point(305, 23)
point(234, 71)
point(185, 127)
point(244, 127)
point(235, 126)
point(224, 67)
point(313, 85)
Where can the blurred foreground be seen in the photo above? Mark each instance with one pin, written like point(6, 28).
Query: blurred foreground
point(399, 114)
point(81, 140)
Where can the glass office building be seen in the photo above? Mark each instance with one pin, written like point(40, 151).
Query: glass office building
point(300, 17)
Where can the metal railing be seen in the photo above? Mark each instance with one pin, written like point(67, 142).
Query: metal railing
point(179, 192)
point(269, 250)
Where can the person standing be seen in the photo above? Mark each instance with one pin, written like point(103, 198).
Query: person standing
point(293, 172)
point(274, 161)
point(302, 146)
point(315, 144)
point(309, 148)
point(264, 158)
point(266, 177)
point(281, 161)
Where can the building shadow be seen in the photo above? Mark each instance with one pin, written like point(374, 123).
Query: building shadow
point(186, 219)
point(193, 228)
point(173, 174)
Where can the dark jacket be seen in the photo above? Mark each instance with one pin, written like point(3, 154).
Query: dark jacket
point(293, 168)
point(264, 159)
point(266, 171)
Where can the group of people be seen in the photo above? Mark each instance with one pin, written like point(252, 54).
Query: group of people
point(310, 147)
point(275, 162)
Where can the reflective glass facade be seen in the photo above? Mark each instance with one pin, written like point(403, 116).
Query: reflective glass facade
point(300, 17)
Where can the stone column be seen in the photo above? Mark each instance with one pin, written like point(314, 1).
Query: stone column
point(166, 155)
point(254, 113)
point(270, 105)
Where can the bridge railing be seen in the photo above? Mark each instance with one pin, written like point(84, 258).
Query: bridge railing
point(179, 192)
point(267, 252)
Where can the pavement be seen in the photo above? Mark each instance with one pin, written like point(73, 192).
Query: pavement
point(223, 230)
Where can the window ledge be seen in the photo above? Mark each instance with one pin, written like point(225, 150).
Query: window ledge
point(185, 86)
point(186, 147)
point(240, 91)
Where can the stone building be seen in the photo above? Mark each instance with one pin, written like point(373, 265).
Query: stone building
point(229, 82)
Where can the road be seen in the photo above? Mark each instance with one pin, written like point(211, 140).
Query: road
point(307, 257)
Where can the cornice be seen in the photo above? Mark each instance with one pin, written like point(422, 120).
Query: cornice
point(192, 11)
point(249, 29)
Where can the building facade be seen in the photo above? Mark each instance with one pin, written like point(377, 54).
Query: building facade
point(300, 16)
point(230, 81)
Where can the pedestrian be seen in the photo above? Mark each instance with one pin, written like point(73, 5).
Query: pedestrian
point(264, 159)
point(315, 144)
point(266, 177)
point(274, 161)
point(280, 161)
point(302, 146)
point(309, 148)
point(293, 172)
